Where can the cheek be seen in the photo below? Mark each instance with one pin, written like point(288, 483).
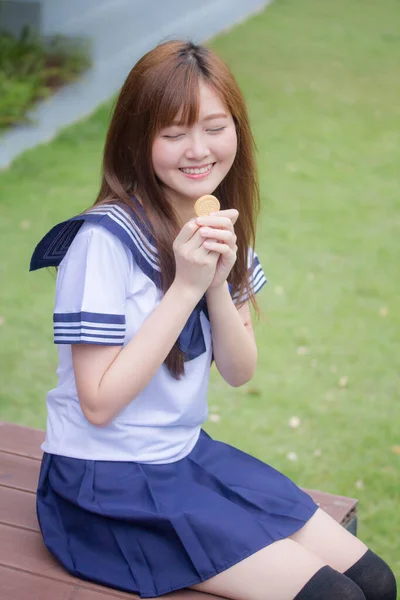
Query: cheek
point(228, 145)
point(163, 156)
point(158, 156)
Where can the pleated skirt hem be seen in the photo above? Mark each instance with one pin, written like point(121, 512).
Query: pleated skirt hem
point(182, 585)
point(219, 569)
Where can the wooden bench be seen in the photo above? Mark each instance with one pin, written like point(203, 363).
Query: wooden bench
point(27, 570)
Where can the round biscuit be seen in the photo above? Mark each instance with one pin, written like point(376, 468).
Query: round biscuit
point(206, 205)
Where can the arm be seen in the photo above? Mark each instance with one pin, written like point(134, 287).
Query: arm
point(235, 349)
point(108, 378)
point(234, 345)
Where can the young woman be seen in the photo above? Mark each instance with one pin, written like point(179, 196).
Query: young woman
point(133, 493)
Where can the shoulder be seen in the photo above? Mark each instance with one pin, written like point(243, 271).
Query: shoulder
point(97, 232)
point(94, 240)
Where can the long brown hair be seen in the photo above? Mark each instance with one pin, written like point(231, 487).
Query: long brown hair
point(163, 82)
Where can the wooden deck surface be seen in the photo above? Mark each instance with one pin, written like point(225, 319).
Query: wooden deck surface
point(27, 570)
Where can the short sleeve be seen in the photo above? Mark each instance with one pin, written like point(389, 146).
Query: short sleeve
point(91, 291)
point(256, 276)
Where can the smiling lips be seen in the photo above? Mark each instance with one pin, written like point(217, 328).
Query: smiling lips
point(197, 172)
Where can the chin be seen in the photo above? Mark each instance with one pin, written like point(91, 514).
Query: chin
point(203, 192)
point(208, 187)
point(195, 191)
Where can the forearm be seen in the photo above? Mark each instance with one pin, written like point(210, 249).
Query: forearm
point(235, 350)
point(136, 364)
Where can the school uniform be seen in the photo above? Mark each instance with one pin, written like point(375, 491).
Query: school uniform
point(150, 503)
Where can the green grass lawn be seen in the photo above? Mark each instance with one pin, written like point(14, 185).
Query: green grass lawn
point(322, 82)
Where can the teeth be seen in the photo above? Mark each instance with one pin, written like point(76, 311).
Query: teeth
point(197, 171)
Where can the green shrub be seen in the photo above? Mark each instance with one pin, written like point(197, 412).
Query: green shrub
point(31, 69)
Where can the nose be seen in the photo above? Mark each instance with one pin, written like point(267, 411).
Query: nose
point(197, 148)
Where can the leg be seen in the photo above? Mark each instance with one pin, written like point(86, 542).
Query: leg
point(283, 570)
point(374, 577)
point(324, 537)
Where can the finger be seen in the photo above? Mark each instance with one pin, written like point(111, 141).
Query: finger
point(231, 213)
point(209, 250)
point(195, 242)
point(217, 222)
point(187, 232)
point(219, 234)
point(216, 247)
point(202, 249)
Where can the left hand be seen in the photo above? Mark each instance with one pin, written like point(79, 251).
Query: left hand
point(219, 236)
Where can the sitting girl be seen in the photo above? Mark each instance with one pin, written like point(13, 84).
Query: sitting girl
point(133, 493)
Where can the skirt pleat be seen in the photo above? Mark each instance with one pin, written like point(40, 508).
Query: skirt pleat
point(151, 529)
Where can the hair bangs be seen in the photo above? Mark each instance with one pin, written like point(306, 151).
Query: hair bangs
point(179, 102)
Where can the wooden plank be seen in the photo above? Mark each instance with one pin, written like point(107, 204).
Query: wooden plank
point(19, 472)
point(20, 440)
point(341, 508)
point(18, 509)
point(15, 586)
point(24, 551)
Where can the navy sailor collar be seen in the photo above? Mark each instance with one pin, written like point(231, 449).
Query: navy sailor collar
point(136, 233)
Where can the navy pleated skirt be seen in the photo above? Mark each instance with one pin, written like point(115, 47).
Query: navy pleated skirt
point(152, 529)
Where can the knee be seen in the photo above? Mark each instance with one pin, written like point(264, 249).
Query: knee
point(374, 577)
point(330, 585)
point(384, 588)
point(343, 588)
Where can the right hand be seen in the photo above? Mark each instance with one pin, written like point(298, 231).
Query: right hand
point(195, 264)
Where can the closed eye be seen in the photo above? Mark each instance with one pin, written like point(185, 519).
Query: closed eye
point(179, 135)
point(173, 137)
point(217, 130)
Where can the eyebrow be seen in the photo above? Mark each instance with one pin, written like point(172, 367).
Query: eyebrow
point(208, 117)
point(216, 116)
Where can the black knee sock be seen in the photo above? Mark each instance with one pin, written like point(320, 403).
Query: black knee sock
point(374, 577)
point(328, 584)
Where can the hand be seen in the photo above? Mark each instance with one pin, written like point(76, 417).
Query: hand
point(219, 235)
point(195, 263)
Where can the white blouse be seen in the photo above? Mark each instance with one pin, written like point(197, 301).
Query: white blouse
point(103, 297)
